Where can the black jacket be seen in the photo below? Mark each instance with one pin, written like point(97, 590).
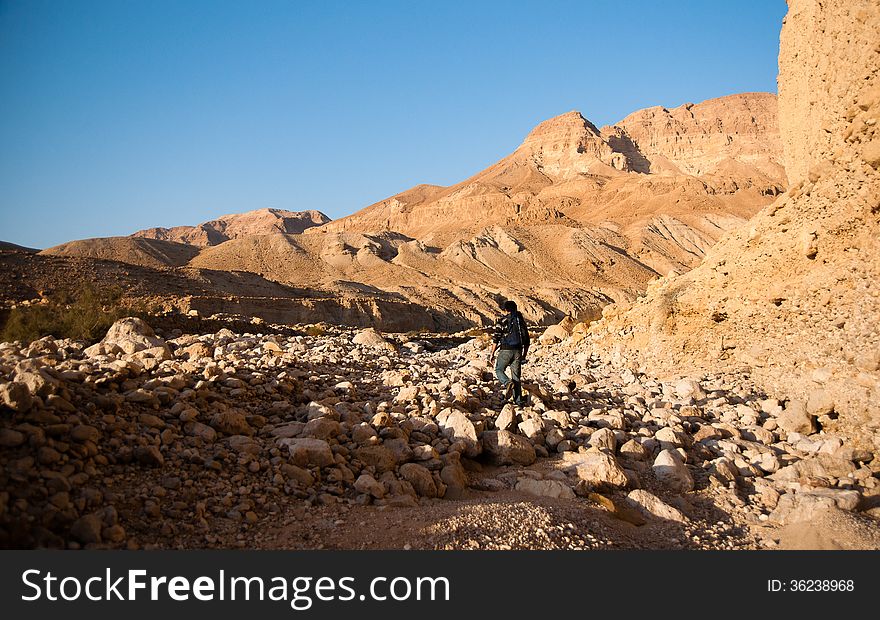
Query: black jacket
point(519, 324)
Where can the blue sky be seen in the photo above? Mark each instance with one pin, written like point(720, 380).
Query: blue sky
point(119, 115)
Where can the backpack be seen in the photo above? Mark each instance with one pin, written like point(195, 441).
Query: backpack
point(507, 331)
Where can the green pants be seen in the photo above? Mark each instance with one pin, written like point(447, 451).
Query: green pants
point(508, 358)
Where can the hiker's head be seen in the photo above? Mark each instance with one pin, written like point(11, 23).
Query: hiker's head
point(509, 306)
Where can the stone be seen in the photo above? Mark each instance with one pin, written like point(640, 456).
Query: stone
point(197, 351)
point(457, 427)
point(364, 434)
point(407, 394)
point(806, 505)
point(505, 448)
point(290, 429)
point(149, 455)
point(689, 389)
point(820, 403)
point(87, 529)
point(132, 334)
point(16, 396)
point(506, 420)
point(455, 479)
point(202, 431)
point(371, 338)
point(671, 471)
point(597, 469)
point(420, 478)
point(379, 457)
point(299, 475)
point(231, 423)
point(84, 433)
point(604, 438)
point(554, 333)
point(545, 488)
point(795, 419)
point(321, 428)
point(243, 444)
point(309, 452)
point(668, 438)
point(532, 428)
point(634, 450)
point(365, 483)
point(10, 438)
point(652, 506)
point(399, 447)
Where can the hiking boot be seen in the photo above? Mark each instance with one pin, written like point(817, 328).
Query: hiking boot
point(522, 401)
point(508, 391)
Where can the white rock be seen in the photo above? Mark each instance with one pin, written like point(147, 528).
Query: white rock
point(672, 472)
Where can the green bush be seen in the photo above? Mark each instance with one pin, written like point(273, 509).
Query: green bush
point(84, 314)
point(315, 330)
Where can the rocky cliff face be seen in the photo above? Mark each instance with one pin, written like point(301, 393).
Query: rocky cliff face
point(238, 225)
point(794, 295)
point(720, 155)
point(717, 137)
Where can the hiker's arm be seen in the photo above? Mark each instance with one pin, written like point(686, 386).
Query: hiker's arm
point(526, 341)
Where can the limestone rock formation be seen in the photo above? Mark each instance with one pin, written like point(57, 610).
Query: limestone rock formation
point(794, 295)
point(238, 225)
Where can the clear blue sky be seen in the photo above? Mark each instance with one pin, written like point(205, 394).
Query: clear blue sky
point(118, 115)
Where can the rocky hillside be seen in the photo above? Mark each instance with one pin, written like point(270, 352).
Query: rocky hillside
point(261, 440)
point(575, 218)
point(237, 225)
point(794, 296)
point(132, 250)
point(720, 155)
point(5, 246)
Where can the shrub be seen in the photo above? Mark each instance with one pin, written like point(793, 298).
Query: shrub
point(315, 330)
point(85, 314)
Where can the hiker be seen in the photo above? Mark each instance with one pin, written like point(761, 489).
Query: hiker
point(511, 336)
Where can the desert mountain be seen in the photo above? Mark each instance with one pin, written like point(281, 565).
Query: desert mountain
point(723, 154)
point(575, 218)
point(5, 246)
point(236, 225)
point(134, 250)
point(794, 296)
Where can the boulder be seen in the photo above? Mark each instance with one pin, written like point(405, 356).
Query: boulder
point(506, 420)
point(457, 427)
point(132, 334)
point(545, 488)
point(806, 505)
point(371, 338)
point(604, 438)
point(321, 428)
point(16, 396)
point(370, 486)
point(795, 419)
point(455, 479)
point(231, 423)
point(309, 452)
point(420, 478)
point(505, 448)
point(597, 469)
point(554, 333)
point(379, 457)
point(652, 506)
point(689, 389)
point(87, 530)
point(671, 471)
